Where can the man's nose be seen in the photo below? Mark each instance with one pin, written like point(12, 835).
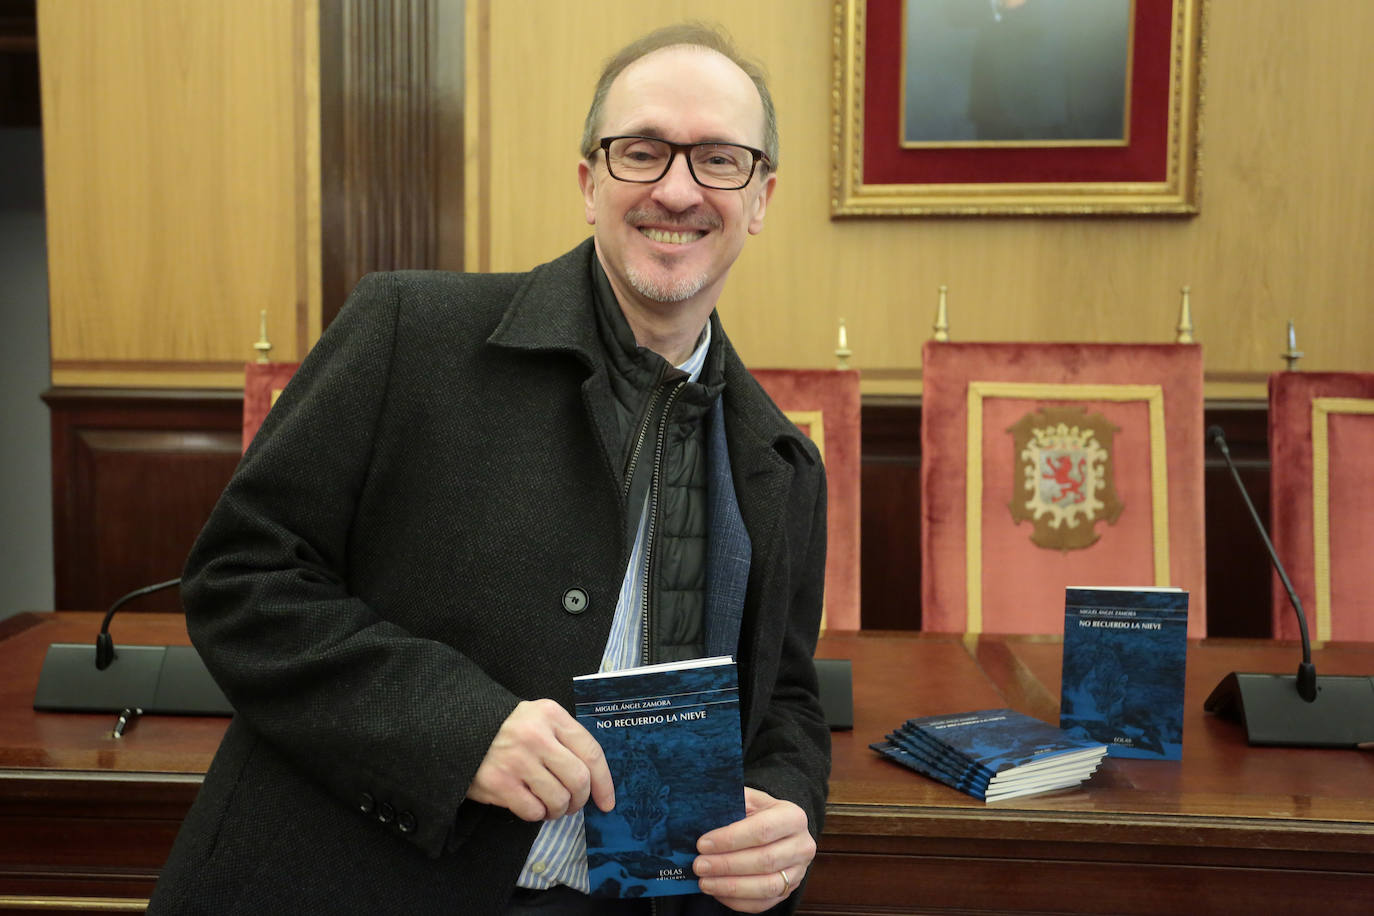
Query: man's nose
point(678, 190)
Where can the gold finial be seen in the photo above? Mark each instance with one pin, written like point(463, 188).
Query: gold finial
point(1292, 354)
point(263, 346)
point(842, 351)
point(942, 318)
point(1185, 320)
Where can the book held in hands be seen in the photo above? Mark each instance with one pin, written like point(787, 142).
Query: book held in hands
point(992, 754)
point(671, 735)
point(1125, 654)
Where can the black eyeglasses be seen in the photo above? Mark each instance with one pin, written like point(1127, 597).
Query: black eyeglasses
point(721, 166)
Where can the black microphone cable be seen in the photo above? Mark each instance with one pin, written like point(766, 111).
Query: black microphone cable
point(104, 643)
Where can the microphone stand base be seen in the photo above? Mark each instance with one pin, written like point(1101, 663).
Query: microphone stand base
point(171, 680)
point(1272, 712)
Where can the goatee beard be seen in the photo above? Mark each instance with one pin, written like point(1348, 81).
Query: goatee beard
point(672, 290)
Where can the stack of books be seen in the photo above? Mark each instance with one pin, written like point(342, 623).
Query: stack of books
point(993, 754)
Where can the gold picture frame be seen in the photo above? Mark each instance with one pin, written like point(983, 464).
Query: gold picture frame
point(1153, 168)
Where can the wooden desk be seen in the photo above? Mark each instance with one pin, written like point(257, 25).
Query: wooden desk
point(86, 820)
point(1228, 829)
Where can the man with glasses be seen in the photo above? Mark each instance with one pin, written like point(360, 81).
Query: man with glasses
point(479, 486)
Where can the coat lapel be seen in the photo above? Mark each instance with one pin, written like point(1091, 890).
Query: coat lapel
point(553, 313)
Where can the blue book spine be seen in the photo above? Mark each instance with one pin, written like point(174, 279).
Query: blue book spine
point(942, 766)
point(900, 754)
point(1125, 657)
point(939, 755)
point(672, 743)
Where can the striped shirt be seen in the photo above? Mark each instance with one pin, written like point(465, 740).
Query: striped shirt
point(559, 854)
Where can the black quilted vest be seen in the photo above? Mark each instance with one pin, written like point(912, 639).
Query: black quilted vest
point(662, 454)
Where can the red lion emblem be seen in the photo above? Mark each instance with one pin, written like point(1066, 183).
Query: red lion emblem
point(1061, 474)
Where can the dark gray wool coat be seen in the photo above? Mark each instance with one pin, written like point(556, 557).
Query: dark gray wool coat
point(383, 579)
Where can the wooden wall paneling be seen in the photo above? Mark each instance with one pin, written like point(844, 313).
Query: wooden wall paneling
point(135, 474)
point(181, 156)
point(1287, 201)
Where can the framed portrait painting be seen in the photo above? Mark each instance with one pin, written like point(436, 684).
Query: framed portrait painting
point(968, 107)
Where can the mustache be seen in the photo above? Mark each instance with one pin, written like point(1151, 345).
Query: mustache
point(657, 216)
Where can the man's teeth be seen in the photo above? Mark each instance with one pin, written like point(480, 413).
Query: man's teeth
point(672, 238)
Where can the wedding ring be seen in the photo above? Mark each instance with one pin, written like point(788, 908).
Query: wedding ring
point(786, 882)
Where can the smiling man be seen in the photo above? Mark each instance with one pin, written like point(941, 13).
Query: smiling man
point(479, 486)
point(671, 219)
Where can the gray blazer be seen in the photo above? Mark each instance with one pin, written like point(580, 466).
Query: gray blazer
point(383, 580)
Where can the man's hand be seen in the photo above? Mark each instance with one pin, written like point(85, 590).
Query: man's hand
point(543, 764)
point(742, 864)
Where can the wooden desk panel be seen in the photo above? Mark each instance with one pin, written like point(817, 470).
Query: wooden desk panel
point(86, 820)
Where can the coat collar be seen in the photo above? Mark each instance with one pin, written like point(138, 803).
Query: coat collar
point(553, 311)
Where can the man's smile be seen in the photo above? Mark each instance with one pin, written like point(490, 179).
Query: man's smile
point(681, 237)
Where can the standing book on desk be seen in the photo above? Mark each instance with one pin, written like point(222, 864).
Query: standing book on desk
point(671, 735)
point(1125, 653)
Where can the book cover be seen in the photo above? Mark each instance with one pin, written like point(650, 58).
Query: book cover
point(671, 735)
point(1125, 655)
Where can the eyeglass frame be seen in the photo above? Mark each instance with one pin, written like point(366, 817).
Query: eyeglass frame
point(685, 149)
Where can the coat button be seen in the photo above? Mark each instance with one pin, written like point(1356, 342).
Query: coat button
point(575, 601)
point(405, 822)
point(385, 813)
point(366, 803)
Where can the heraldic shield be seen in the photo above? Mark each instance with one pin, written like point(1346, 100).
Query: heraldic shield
point(1062, 476)
point(1049, 465)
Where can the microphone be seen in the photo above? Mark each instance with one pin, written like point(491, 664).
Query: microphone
point(147, 679)
point(1303, 710)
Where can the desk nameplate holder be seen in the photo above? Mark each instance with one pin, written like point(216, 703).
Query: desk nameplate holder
point(836, 680)
point(165, 680)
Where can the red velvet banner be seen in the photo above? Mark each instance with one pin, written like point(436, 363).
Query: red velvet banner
point(833, 395)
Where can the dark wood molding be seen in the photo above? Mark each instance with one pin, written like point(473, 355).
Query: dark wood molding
point(890, 525)
point(135, 474)
point(20, 102)
point(379, 119)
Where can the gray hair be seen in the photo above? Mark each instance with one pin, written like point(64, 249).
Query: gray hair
point(694, 34)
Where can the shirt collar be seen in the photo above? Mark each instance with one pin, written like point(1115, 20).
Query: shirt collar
point(692, 365)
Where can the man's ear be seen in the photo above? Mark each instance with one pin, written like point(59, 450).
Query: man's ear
point(760, 203)
point(587, 182)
